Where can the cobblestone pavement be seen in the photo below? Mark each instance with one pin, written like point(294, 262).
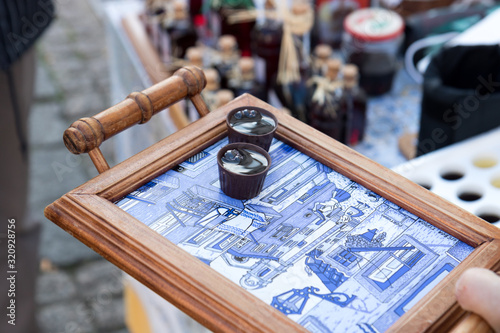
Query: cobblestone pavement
point(77, 290)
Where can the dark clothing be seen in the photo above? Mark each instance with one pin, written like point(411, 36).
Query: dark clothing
point(21, 23)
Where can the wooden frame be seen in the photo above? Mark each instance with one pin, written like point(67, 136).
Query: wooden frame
point(89, 214)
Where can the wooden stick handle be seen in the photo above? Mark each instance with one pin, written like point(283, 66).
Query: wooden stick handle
point(89, 133)
point(472, 323)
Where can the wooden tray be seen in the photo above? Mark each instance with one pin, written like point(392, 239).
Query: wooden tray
point(90, 214)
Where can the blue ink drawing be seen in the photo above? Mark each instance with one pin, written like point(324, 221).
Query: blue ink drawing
point(330, 254)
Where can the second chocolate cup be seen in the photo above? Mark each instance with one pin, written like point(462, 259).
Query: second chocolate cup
point(262, 140)
point(243, 185)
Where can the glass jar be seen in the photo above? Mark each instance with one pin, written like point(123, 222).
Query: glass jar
point(371, 40)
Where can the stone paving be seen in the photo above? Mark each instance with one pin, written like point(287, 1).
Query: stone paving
point(77, 290)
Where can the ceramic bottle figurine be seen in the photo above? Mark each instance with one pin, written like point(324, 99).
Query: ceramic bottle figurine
point(227, 59)
point(221, 10)
point(243, 80)
point(266, 43)
point(325, 113)
point(353, 104)
point(322, 52)
point(180, 30)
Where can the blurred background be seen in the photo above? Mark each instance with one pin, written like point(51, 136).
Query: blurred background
point(93, 55)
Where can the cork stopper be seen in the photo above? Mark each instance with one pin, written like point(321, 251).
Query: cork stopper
point(246, 64)
point(227, 43)
point(300, 8)
point(323, 51)
point(269, 5)
point(350, 72)
point(195, 56)
point(222, 97)
point(212, 77)
point(333, 68)
point(180, 10)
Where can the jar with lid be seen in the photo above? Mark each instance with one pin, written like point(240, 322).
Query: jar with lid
point(371, 40)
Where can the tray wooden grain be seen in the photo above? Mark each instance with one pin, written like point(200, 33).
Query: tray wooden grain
point(89, 214)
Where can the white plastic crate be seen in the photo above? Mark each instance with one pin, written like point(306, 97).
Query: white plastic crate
point(466, 173)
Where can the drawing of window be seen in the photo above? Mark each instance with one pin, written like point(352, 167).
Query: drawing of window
point(284, 232)
point(259, 247)
point(196, 158)
point(345, 258)
point(395, 266)
point(271, 248)
point(242, 242)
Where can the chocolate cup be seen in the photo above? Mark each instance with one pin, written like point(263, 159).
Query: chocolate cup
point(237, 185)
point(263, 140)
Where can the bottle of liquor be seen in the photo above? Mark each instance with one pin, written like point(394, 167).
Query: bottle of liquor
point(291, 90)
point(194, 55)
point(222, 97)
point(227, 59)
point(266, 44)
point(180, 30)
point(155, 13)
point(243, 80)
point(353, 102)
point(221, 11)
point(325, 113)
point(322, 52)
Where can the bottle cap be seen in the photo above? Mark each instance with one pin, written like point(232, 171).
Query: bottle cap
point(246, 64)
point(180, 10)
point(195, 56)
point(300, 8)
point(227, 43)
point(223, 97)
point(333, 68)
point(212, 77)
point(350, 71)
point(323, 51)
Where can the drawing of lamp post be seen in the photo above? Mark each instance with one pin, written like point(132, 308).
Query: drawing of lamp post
point(294, 301)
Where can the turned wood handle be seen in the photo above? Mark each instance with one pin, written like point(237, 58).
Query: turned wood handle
point(89, 133)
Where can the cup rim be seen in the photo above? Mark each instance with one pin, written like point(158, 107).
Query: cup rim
point(248, 145)
point(261, 110)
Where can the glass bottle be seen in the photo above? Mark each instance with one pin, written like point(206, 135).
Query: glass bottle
point(194, 55)
point(155, 13)
point(325, 113)
point(227, 59)
point(222, 97)
point(266, 44)
point(244, 81)
point(322, 53)
point(353, 102)
point(330, 20)
point(293, 94)
point(221, 10)
point(180, 30)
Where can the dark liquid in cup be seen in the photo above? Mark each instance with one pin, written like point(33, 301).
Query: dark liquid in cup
point(244, 161)
point(252, 122)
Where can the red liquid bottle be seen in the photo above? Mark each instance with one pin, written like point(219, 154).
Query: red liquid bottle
point(266, 43)
point(222, 10)
point(182, 33)
point(353, 104)
point(325, 112)
point(244, 81)
point(228, 58)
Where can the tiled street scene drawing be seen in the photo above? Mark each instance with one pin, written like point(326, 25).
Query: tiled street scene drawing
point(327, 252)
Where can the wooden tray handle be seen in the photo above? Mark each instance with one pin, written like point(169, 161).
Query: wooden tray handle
point(87, 134)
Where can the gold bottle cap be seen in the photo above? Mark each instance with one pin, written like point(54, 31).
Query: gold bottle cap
point(350, 72)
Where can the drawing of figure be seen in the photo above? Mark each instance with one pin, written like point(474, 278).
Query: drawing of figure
point(327, 207)
point(352, 212)
point(239, 224)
